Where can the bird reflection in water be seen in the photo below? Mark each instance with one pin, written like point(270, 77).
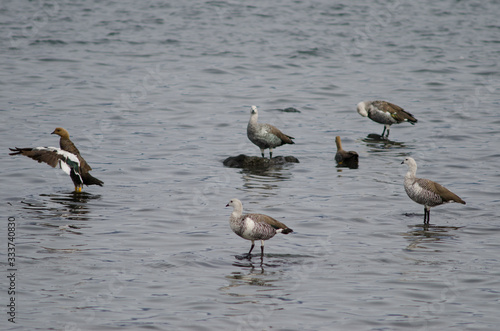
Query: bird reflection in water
point(421, 234)
point(70, 206)
point(267, 179)
point(75, 203)
point(255, 274)
point(253, 277)
point(247, 263)
point(376, 141)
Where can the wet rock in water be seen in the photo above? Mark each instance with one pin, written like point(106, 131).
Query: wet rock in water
point(291, 110)
point(287, 110)
point(243, 161)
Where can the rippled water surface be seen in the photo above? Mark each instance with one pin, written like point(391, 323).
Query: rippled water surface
point(157, 94)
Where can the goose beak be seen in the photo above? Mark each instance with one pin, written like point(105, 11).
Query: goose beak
point(227, 205)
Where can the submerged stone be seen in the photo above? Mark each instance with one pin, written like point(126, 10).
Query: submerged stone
point(243, 161)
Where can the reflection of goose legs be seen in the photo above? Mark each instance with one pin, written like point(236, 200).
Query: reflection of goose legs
point(249, 254)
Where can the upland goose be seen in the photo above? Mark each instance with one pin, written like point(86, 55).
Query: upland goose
point(265, 135)
point(67, 157)
point(345, 157)
point(425, 191)
point(386, 113)
point(254, 226)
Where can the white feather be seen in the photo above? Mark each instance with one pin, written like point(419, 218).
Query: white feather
point(249, 226)
point(62, 163)
point(64, 167)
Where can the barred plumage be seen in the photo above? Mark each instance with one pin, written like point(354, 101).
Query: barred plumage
point(265, 135)
point(254, 226)
point(425, 191)
point(386, 113)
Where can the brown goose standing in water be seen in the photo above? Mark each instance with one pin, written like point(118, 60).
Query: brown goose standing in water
point(342, 157)
point(254, 226)
point(425, 191)
point(67, 157)
point(386, 113)
point(265, 135)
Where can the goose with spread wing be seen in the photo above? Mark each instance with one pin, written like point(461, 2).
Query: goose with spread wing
point(67, 157)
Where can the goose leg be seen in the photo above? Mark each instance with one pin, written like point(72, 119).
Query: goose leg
point(388, 128)
point(427, 215)
point(382, 135)
point(262, 249)
point(262, 151)
point(270, 153)
point(249, 254)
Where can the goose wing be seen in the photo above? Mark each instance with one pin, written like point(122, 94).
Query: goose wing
point(67, 145)
point(261, 218)
point(447, 195)
point(438, 190)
point(52, 156)
point(398, 113)
point(286, 139)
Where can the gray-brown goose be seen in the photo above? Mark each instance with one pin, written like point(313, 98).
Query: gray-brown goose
point(67, 157)
point(254, 226)
point(425, 191)
point(386, 113)
point(265, 135)
point(348, 158)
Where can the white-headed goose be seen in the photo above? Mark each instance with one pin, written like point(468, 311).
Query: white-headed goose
point(254, 226)
point(265, 135)
point(386, 113)
point(425, 191)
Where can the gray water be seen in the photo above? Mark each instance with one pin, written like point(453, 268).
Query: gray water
point(157, 94)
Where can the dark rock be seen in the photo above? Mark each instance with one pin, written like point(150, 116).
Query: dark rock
point(291, 110)
point(243, 161)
